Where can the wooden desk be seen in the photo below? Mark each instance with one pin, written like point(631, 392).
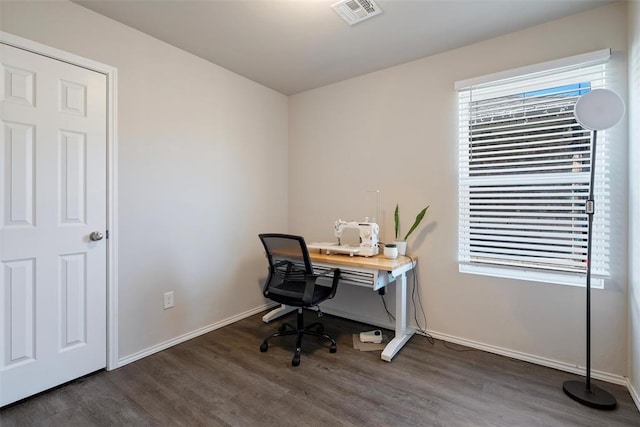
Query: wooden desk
point(375, 273)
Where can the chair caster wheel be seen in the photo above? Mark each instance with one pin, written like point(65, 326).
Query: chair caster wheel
point(295, 361)
point(264, 347)
point(333, 348)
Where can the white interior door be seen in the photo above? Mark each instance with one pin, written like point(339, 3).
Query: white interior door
point(53, 190)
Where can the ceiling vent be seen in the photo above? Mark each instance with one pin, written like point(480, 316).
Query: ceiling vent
point(354, 11)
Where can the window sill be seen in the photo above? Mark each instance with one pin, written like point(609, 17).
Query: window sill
point(532, 275)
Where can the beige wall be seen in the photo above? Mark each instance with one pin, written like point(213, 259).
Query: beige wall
point(201, 151)
point(395, 130)
point(633, 113)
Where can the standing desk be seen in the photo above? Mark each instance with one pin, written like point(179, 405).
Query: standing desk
point(374, 272)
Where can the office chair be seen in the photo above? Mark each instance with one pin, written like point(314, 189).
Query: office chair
point(292, 282)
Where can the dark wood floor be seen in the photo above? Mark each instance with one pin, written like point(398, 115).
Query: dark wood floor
point(221, 379)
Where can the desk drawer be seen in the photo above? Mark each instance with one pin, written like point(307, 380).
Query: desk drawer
point(373, 279)
point(368, 278)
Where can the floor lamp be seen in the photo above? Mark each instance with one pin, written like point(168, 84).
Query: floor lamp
point(597, 110)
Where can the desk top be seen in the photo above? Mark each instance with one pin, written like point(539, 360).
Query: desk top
point(378, 262)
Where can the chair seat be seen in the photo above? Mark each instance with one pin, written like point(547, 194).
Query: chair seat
point(320, 293)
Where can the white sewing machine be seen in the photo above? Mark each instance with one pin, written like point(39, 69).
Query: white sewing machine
point(368, 239)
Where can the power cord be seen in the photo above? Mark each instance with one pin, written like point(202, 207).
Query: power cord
point(392, 318)
point(416, 291)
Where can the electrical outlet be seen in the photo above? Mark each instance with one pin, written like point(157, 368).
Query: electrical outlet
point(168, 300)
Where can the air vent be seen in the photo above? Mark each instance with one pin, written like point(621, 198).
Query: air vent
point(354, 11)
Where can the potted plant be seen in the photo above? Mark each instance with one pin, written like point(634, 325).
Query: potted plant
point(402, 243)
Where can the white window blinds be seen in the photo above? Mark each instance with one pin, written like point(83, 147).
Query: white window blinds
point(524, 165)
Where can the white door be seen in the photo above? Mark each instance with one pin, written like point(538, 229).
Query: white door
point(53, 190)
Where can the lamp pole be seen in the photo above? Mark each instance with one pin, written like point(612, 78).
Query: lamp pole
point(598, 109)
point(585, 392)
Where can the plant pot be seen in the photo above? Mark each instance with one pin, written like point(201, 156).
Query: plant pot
point(402, 246)
point(391, 251)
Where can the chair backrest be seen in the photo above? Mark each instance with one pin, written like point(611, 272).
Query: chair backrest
point(286, 246)
point(291, 278)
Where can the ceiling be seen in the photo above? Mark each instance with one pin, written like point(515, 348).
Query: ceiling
point(296, 45)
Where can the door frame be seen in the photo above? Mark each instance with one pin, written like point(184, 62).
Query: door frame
point(112, 174)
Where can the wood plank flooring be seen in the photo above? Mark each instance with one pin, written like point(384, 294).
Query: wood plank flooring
point(222, 379)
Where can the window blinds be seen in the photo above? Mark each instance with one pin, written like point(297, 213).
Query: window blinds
point(524, 165)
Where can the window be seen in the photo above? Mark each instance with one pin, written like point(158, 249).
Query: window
point(524, 171)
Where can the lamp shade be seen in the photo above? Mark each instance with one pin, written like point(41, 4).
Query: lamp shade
point(599, 109)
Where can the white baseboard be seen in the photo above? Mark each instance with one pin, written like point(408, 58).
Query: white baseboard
point(538, 360)
point(358, 318)
point(634, 394)
point(182, 338)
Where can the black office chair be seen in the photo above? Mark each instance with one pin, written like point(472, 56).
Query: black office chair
point(292, 282)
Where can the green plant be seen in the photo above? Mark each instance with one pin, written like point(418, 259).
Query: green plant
point(416, 223)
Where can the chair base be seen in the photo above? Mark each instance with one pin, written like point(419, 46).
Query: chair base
point(316, 329)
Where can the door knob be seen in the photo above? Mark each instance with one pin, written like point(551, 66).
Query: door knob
point(95, 236)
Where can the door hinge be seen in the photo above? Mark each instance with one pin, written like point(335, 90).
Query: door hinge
point(107, 234)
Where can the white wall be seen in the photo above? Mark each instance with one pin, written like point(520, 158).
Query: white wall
point(395, 130)
point(633, 113)
point(201, 151)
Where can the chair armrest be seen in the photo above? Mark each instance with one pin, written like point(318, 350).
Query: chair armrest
point(311, 281)
point(309, 287)
point(336, 279)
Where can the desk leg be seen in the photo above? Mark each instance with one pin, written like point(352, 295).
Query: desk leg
point(277, 312)
point(403, 334)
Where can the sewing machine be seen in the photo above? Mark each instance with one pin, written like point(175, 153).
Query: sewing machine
point(368, 232)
